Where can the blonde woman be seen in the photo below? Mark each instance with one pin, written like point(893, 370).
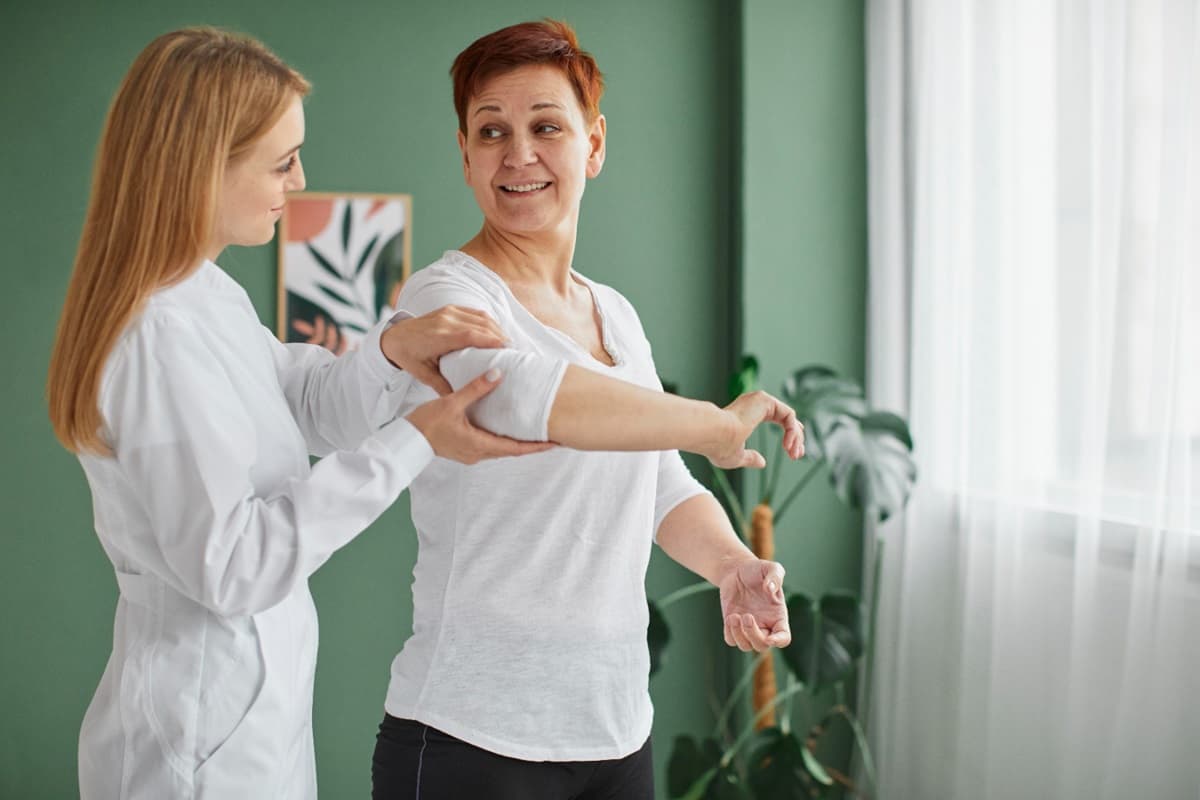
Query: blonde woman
point(194, 427)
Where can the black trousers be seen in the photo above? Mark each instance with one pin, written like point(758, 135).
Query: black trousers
point(416, 762)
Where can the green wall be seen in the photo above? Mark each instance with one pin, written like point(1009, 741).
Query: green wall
point(659, 224)
point(804, 234)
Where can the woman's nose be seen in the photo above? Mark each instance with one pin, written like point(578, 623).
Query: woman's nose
point(521, 152)
point(297, 176)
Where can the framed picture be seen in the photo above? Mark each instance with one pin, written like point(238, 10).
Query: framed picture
point(342, 260)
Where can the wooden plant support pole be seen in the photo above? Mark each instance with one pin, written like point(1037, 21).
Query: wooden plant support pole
point(762, 542)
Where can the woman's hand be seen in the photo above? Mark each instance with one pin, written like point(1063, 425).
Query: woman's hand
point(450, 433)
point(322, 331)
point(753, 606)
point(744, 415)
point(415, 345)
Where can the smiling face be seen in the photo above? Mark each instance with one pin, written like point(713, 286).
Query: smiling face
point(529, 150)
point(254, 188)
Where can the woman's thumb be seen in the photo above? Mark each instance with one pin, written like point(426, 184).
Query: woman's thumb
point(479, 387)
point(753, 459)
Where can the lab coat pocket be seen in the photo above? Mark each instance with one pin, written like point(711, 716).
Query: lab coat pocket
point(154, 701)
point(234, 672)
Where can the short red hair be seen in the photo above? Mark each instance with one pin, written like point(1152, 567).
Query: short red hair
point(546, 42)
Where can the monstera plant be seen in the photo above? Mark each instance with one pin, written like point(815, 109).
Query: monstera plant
point(866, 455)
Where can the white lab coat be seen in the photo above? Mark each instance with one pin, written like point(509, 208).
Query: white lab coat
point(213, 519)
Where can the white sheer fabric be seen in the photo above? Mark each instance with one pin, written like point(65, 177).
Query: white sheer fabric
point(1035, 309)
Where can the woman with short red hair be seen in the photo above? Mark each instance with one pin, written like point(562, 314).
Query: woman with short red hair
point(526, 674)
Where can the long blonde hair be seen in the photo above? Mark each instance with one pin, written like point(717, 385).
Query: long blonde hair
point(193, 100)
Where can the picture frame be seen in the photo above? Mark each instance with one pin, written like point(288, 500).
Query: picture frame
point(343, 257)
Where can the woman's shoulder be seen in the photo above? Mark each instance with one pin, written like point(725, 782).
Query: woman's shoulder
point(175, 325)
point(455, 278)
point(142, 350)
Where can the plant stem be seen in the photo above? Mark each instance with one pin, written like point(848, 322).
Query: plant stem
point(785, 721)
point(869, 655)
point(735, 505)
point(860, 736)
point(760, 445)
point(739, 690)
point(686, 591)
point(864, 748)
point(774, 471)
point(808, 476)
point(727, 756)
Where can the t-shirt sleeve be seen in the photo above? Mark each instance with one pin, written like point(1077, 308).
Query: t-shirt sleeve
point(675, 485)
point(520, 406)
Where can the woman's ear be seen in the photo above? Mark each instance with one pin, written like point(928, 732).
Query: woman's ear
point(596, 139)
point(462, 147)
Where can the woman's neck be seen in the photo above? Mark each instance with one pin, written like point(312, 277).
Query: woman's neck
point(541, 261)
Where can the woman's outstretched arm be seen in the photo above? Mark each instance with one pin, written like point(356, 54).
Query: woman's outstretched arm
point(591, 411)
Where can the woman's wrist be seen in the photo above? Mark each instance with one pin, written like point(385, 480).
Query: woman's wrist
point(389, 345)
point(718, 432)
point(729, 563)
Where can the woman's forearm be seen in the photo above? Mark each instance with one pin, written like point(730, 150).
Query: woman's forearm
point(697, 535)
point(594, 412)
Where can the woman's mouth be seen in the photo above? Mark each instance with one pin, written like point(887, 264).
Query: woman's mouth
point(524, 188)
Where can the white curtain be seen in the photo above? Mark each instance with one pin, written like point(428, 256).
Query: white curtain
point(1035, 311)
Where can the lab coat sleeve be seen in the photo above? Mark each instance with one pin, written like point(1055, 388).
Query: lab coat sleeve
point(338, 401)
point(186, 443)
point(520, 406)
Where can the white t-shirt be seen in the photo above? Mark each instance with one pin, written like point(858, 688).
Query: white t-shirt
point(529, 602)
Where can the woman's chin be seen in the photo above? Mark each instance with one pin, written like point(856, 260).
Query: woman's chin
point(263, 237)
point(526, 224)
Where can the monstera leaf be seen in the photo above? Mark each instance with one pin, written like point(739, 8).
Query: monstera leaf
point(389, 272)
point(692, 767)
point(827, 638)
point(869, 452)
point(726, 784)
point(781, 767)
point(658, 635)
point(695, 772)
point(823, 401)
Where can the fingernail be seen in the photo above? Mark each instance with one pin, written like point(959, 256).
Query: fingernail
point(771, 586)
point(492, 375)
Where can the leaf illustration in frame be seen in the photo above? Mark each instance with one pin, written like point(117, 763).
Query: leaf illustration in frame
point(330, 249)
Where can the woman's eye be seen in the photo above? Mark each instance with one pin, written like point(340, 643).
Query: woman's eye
point(490, 132)
point(286, 168)
point(546, 127)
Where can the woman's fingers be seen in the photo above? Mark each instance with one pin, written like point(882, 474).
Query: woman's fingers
point(480, 444)
point(773, 581)
point(784, 416)
point(475, 390)
point(753, 459)
point(476, 334)
point(781, 635)
point(469, 327)
point(735, 636)
point(430, 376)
point(745, 633)
point(492, 446)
